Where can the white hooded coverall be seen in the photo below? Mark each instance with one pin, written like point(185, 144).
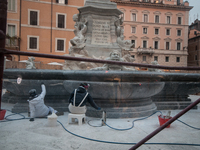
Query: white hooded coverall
point(37, 106)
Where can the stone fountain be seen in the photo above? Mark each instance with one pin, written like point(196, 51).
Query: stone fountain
point(98, 32)
point(122, 92)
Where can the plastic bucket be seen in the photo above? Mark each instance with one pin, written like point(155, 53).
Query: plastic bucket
point(52, 122)
point(2, 114)
point(162, 120)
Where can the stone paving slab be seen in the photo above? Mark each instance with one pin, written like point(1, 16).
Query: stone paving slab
point(25, 135)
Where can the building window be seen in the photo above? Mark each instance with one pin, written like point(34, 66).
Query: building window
point(11, 31)
point(133, 30)
point(62, 1)
point(61, 20)
point(166, 59)
point(145, 18)
point(167, 31)
point(144, 58)
point(34, 17)
point(177, 59)
point(133, 16)
point(133, 42)
point(196, 57)
point(178, 46)
point(167, 45)
point(144, 44)
point(157, 19)
point(168, 19)
point(179, 20)
point(133, 56)
point(155, 58)
point(178, 2)
point(155, 44)
point(60, 44)
point(11, 5)
point(144, 30)
point(156, 31)
point(196, 47)
point(33, 43)
point(195, 33)
point(178, 32)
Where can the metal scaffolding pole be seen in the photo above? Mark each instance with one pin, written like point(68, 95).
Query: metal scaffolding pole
point(165, 125)
point(3, 20)
point(7, 51)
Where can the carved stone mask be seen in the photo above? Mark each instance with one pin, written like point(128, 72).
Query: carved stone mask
point(115, 55)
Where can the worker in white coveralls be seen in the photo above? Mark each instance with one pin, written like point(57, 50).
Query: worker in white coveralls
point(78, 99)
point(37, 106)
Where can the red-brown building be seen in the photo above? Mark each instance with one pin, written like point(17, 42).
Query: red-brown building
point(194, 44)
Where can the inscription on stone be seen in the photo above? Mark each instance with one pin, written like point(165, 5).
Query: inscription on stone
point(101, 32)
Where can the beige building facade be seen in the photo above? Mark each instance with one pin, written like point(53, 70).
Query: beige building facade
point(158, 28)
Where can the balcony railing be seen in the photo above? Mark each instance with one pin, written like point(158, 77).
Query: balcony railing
point(147, 1)
point(134, 0)
point(12, 42)
point(149, 51)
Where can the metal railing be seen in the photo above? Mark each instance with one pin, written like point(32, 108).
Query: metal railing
point(6, 51)
point(145, 50)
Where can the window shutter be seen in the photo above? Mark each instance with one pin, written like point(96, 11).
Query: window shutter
point(57, 1)
point(66, 1)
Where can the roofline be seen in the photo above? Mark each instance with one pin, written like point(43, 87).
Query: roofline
point(194, 29)
point(196, 23)
point(194, 37)
point(145, 4)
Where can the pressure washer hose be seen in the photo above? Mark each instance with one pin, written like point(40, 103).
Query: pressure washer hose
point(110, 142)
point(123, 143)
point(132, 122)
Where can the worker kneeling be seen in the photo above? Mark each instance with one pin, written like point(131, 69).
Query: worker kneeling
point(78, 99)
point(37, 106)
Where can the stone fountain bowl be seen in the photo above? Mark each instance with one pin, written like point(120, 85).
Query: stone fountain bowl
point(121, 99)
point(120, 93)
point(118, 90)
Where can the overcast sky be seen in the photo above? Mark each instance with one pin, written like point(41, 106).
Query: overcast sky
point(195, 10)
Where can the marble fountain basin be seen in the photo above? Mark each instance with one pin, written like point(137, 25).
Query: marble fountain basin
point(121, 94)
